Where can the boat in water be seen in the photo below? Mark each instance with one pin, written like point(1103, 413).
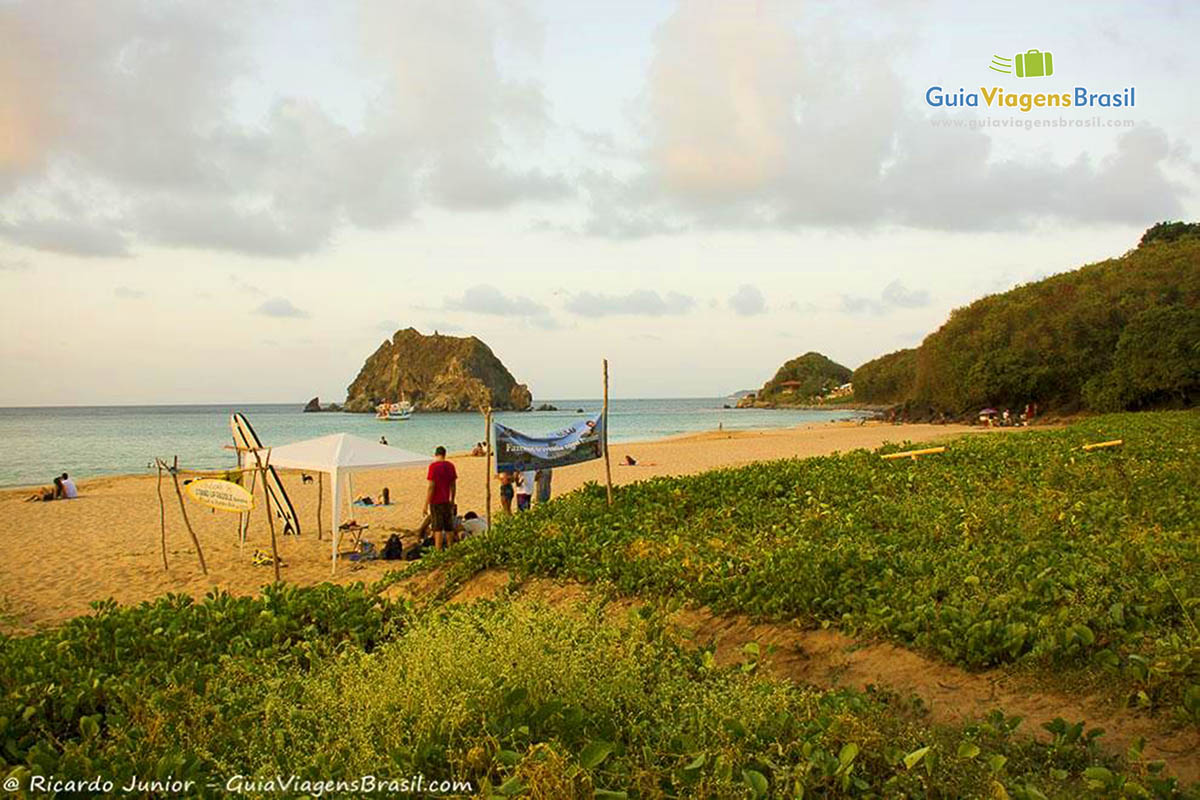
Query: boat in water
point(394, 412)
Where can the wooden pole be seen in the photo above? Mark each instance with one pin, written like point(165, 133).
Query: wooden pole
point(162, 515)
point(607, 463)
point(320, 493)
point(186, 521)
point(244, 519)
point(487, 465)
point(270, 517)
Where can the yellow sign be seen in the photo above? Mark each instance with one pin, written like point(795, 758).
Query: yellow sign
point(221, 495)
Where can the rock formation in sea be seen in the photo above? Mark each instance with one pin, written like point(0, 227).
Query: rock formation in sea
point(436, 373)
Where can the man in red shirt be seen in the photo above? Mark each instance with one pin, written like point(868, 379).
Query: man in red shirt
point(439, 500)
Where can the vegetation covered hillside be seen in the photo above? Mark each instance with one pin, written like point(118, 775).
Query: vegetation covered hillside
point(803, 378)
point(1121, 334)
point(887, 379)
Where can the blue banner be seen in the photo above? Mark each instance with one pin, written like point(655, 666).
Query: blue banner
point(581, 442)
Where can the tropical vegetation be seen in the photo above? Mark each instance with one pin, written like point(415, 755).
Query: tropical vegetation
point(1120, 334)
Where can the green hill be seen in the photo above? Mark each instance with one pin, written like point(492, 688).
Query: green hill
point(1120, 334)
point(804, 378)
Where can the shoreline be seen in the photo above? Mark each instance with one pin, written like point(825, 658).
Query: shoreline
point(57, 557)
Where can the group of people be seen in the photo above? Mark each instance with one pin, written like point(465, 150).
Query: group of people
point(63, 488)
point(523, 487)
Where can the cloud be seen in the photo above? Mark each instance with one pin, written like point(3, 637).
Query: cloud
point(136, 109)
point(894, 295)
point(75, 237)
point(642, 303)
point(280, 307)
point(749, 127)
point(125, 293)
point(748, 301)
point(241, 285)
point(484, 299)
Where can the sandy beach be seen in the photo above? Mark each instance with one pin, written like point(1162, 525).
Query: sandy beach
point(56, 558)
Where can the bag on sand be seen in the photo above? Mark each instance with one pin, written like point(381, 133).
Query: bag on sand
point(393, 549)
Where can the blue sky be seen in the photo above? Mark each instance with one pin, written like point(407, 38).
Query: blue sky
point(215, 201)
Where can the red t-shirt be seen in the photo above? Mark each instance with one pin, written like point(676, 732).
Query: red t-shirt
point(443, 475)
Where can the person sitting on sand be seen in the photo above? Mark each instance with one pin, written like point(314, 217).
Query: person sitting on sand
point(385, 499)
point(43, 495)
point(630, 461)
point(69, 492)
point(478, 450)
point(470, 524)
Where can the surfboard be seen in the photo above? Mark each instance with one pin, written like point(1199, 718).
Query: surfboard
point(281, 504)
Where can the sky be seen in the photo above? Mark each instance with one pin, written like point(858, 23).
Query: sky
point(227, 201)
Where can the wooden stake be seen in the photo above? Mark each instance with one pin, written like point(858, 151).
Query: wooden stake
point(244, 519)
point(320, 493)
point(270, 517)
point(162, 516)
point(487, 465)
point(607, 463)
point(186, 521)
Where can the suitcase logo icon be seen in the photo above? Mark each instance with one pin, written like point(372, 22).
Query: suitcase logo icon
point(1030, 64)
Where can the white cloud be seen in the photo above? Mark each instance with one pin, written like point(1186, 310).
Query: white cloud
point(280, 307)
point(642, 303)
point(748, 301)
point(132, 108)
point(749, 126)
point(484, 299)
point(894, 295)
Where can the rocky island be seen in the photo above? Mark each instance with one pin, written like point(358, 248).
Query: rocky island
point(436, 373)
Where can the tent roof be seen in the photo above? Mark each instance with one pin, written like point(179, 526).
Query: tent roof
point(342, 452)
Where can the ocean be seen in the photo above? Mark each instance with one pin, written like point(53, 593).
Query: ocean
point(86, 441)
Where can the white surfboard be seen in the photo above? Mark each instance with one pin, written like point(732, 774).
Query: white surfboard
point(281, 504)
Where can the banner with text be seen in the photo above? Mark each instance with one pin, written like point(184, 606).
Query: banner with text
point(581, 442)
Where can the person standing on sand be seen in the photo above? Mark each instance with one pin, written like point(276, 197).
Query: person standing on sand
point(439, 500)
point(525, 486)
point(543, 485)
point(506, 490)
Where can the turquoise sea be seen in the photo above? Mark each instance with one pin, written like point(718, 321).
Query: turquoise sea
point(39, 443)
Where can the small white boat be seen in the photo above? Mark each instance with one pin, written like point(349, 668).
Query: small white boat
point(394, 412)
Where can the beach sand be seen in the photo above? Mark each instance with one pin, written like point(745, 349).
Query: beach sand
point(56, 558)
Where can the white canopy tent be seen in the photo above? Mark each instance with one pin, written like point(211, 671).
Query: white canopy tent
point(342, 455)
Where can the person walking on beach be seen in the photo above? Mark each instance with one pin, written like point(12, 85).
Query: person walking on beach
point(506, 490)
point(439, 500)
point(525, 486)
point(543, 485)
